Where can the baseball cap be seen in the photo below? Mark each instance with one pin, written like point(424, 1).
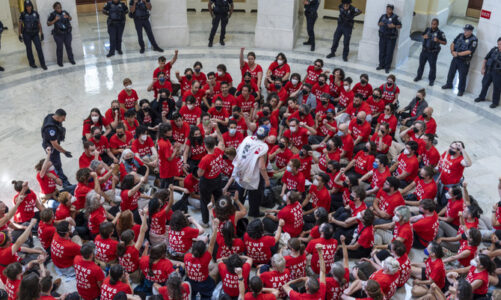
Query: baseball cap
point(262, 132)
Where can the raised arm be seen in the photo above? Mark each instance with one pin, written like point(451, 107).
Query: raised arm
point(24, 237)
point(212, 242)
point(281, 224)
point(142, 230)
point(318, 247)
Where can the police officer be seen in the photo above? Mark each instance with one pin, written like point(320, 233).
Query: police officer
point(389, 24)
point(116, 11)
point(432, 39)
point(1, 30)
point(310, 12)
point(61, 32)
point(345, 22)
point(462, 49)
point(221, 11)
point(491, 69)
point(140, 12)
point(53, 133)
point(29, 28)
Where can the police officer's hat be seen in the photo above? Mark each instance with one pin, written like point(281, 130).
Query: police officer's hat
point(346, 2)
point(28, 3)
point(468, 27)
point(390, 6)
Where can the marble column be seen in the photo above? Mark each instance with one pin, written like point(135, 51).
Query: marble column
point(169, 21)
point(368, 49)
point(427, 10)
point(44, 8)
point(5, 14)
point(488, 32)
point(278, 23)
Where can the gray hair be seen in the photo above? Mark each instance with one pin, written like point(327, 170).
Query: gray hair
point(391, 265)
point(278, 262)
point(125, 153)
point(94, 164)
point(92, 201)
point(404, 213)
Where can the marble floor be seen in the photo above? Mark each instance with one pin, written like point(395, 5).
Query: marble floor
point(28, 95)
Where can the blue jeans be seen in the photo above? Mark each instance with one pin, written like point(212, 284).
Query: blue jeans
point(205, 288)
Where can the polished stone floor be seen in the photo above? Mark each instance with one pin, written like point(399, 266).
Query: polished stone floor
point(28, 95)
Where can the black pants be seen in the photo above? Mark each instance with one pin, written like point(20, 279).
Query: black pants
point(462, 66)
point(55, 159)
point(209, 188)
point(115, 30)
point(204, 288)
point(431, 58)
point(63, 39)
point(386, 48)
point(255, 198)
point(223, 18)
point(144, 23)
point(493, 77)
point(344, 31)
point(311, 18)
point(28, 38)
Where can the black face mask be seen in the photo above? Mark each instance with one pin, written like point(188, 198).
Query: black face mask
point(420, 176)
point(389, 83)
point(120, 135)
point(197, 139)
point(225, 156)
point(147, 109)
point(97, 137)
point(329, 171)
point(325, 102)
point(129, 160)
point(278, 86)
point(424, 116)
point(302, 114)
point(415, 130)
point(328, 118)
point(266, 113)
point(365, 149)
point(305, 92)
point(189, 77)
point(375, 96)
point(386, 189)
point(302, 153)
point(247, 81)
point(281, 145)
point(363, 81)
point(452, 152)
point(235, 116)
point(351, 198)
point(360, 122)
point(321, 83)
point(197, 70)
point(356, 105)
point(218, 108)
point(328, 147)
point(463, 236)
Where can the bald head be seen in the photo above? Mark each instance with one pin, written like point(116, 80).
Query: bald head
point(361, 115)
point(343, 127)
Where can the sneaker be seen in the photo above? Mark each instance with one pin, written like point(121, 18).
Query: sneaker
point(110, 54)
point(417, 79)
point(141, 50)
point(331, 55)
point(204, 225)
point(120, 52)
point(479, 99)
point(379, 68)
point(158, 49)
point(446, 87)
point(493, 105)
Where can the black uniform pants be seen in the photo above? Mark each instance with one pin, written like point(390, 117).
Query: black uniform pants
point(144, 23)
point(209, 188)
point(462, 66)
point(35, 38)
point(386, 48)
point(311, 18)
point(431, 58)
point(55, 159)
point(344, 31)
point(61, 39)
point(493, 77)
point(223, 18)
point(255, 197)
point(115, 30)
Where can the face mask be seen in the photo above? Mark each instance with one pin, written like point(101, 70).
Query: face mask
point(188, 77)
point(325, 102)
point(395, 219)
point(302, 153)
point(360, 122)
point(452, 152)
point(359, 216)
point(206, 122)
point(386, 189)
point(120, 135)
point(280, 61)
point(328, 147)
point(278, 86)
point(375, 96)
point(266, 113)
point(129, 160)
point(162, 80)
point(281, 145)
point(97, 137)
point(294, 81)
point(95, 119)
point(346, 87)
point(363, 81)
point(198, 70)
point(219, 73)
point(375, 165)
point(305, 92)
point(448, 196)
point(190, 106)
point(415, 130)
point(315, 182)
point(351, 198)
point(387, 116)
point(289, 169)
point(52, 168)
point(389, 83)
point(340, 133)
point(128, 87)
point(146, 109)
point(426, 252)
point(293, 128)
point(473, 262)
point(329, 118)
point(356, 104)
point(420, 176)
point(247, 81)
point(406, 151)
point(321, 83)
point(143, 137)
point(235, 116)
point(232, 131)
point(218, 108)
point(424, 116)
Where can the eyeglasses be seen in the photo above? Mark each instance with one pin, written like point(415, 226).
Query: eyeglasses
point(318, 66)
point(387, 109)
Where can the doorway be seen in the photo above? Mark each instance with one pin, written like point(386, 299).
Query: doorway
point(474, 8)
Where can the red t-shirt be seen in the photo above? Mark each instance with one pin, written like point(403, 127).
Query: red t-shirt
point(180, 241)
point(159, 221)
point(254, 72)
point(426, 228)
point(26, 210)
point(95, 219)
point(190, 116)
point(12, 288)
point(161, 269)
point(129, 202)
point(62, 212)
point(180, 134)
point(279, 70)
point(430, 157)
point(116, 143)
point(294, 182)
point(166, 168)
point(259, 249)
point(389, 94)
point(197, 269)
point(228, 101)
point(144, 148)
point(305, 166)
point(376, 106)
point(363, 162)
point(425, 190)
point(483, 275)
point(388, 203)
point(230, 281)
point(292, 214)
point(334, 289)
point(366, 90)
point(435, 271)
point(275, 280)
point(320, 198)
point(6, 258)
point(345, 98)
point(431, 125)
point(297, 266)
point(46, 233)
point(129, 101)
point(219, 114)
point(405, 270)
point(391, 120)
point(106, 249)
point(379, 178)
point(299, 138)
point(386, 140)
point(312, 75)
point(109, 291)
point(130, 260)
point(329, 250)
point(319, 295)
point(63, 251)
point(88, 274)
point(404, 231)
point(211, 164)
point(409, 165)
point(186, 291)
point(245, 104)
point(166, 70)
point(387, 282)
point(110, 115)
point(465, 262)
point(261, 296)
point(451, 169)
point(157, 86)
point(453, 210)
point(353, 111)
point(47, 184)
point(223, 250)
point(358, 130)
point(365, 236)
point(281, 159)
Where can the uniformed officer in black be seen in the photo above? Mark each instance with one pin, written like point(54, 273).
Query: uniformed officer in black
point(491, 69)
point(389, 24)
point(345, 22)
point(140, 12)
point(1, 30)
point(432, 39)
point(310, 12)
point(53, 133)
point(221, 11)
point(61, 32)
point(462, 50)
point(29, 28)
point(116, 12)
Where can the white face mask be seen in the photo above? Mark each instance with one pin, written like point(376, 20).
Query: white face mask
point(143, 137)
point(406, 151)
point(395, 219)
point(447, 195)
point(473, 262)
point(387, 116)
point(280, 61)
point(219, 73)
point(292, 128)
point(52, 168)
point(284, 197)
point(359, 216)
point(190, 107)
point(294, 81)
point(95, 119)
point(289, 169)
point(232, 131)
point(128, 87)
point(315, 182)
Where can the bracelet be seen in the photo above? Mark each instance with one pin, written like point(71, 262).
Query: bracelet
point(240, 278)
